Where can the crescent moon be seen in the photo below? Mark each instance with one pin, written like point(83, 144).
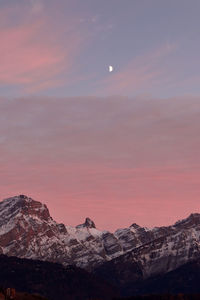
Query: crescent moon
point(110, 68)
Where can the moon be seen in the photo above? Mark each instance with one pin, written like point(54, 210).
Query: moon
point(110, 68)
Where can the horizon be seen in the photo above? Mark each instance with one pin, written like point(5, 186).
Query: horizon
point(121, 146)
point(104, 229)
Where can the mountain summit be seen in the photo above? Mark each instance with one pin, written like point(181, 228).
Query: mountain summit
point(28, 231)
point(23, 205)
point(88, 224)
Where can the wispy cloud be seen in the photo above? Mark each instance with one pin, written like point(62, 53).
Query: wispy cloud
point(142, 72)
point(32, 55)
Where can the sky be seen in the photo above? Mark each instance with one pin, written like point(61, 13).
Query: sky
point(119, 147)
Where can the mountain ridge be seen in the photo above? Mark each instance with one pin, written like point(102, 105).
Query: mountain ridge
point(28, 231)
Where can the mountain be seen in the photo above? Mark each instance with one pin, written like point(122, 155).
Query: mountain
point(52, 281)
point(28, 231)
point(183, 281)
point(170, 248)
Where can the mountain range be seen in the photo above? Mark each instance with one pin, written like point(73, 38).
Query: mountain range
point(130, 255)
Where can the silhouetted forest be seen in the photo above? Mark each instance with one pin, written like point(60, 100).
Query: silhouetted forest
point(25, 296)
point(56, 282)
point(52, 280)
point(163, 297)
point(128, 278)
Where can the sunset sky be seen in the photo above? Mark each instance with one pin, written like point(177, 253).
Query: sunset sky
point(120, 147)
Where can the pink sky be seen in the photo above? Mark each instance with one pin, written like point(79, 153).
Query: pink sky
point(64, 48)
point(118, 147)
point(34, 52)
point(117, 160)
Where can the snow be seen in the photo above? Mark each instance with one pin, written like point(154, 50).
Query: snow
point(85, 246)
point(6, 228)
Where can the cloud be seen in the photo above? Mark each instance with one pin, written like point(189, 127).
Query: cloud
point(141, 73)
point(33, 53)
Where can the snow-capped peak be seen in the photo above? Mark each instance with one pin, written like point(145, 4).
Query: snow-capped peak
point(135, 226)
point(24, 205)
point(88, 224)
point(192, 220)
point(28, 231)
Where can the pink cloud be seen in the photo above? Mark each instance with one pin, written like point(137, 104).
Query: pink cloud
point(32, 55)
point(141, 73)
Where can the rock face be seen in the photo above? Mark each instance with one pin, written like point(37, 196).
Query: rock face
point(165, 249)
point(129, 280)
point(28, 231)
point(88, 224)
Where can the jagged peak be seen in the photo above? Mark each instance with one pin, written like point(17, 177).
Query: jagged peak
point(135, 226)
point(25, 205)
point(194, 215)
point(192, 219)
point(88, 224)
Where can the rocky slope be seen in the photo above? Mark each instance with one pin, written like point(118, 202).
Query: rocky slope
point(28, 231)
point(183, 280)
point(171, 248)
